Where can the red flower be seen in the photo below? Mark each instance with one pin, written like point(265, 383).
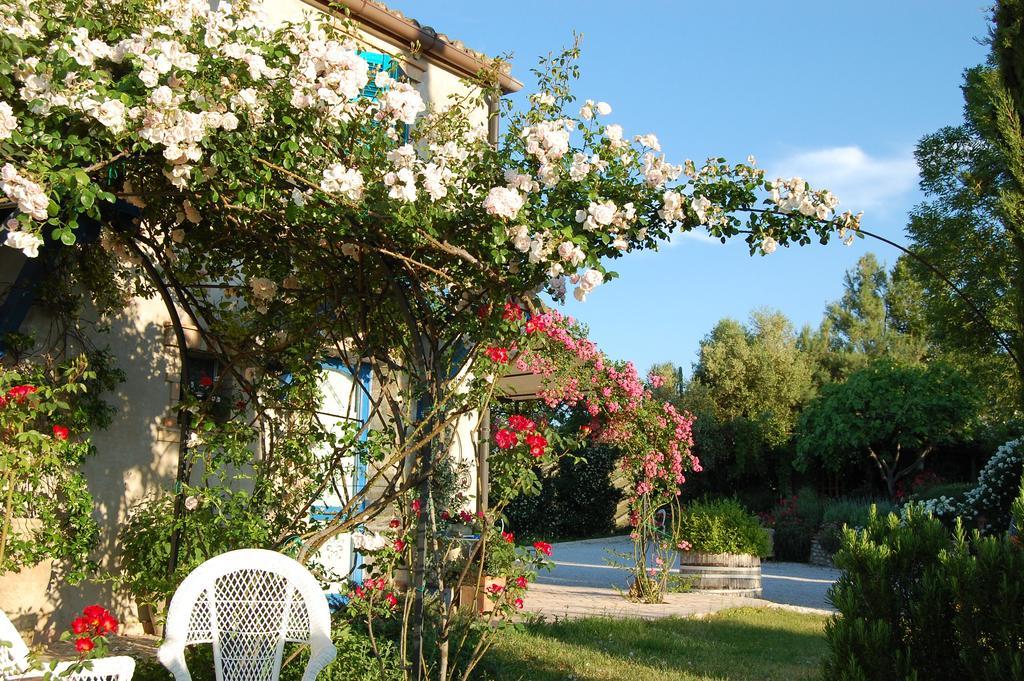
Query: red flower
point(19, 392)
point(379, 582)
point(585, 429)
point(80, 625)
point(521, 582)
point(508, 537)
point(84, 645)
point(391, 599)
point(534, 324)
point(416, 506)
point(205, 381)
point(513, 312)
point(506, 439)
point(395, 522)
point(536, 443)
point(60, 432)
point(445, 515)
point(483, 311)
point(495, 589)
point(519, 603)
point(359, 592)
point(542, 547)
point(497, 354)
point(108, 625)
point(519, 423)
point(399, 545)
point(465, 516)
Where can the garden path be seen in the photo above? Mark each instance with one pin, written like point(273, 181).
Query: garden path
point(583, 583)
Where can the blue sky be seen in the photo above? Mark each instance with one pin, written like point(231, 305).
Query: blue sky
point(837, 92)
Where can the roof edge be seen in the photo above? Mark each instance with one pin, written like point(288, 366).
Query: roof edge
point(405, 31)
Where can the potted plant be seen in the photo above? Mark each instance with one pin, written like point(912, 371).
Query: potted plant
point(721, 545)
point(488, 577)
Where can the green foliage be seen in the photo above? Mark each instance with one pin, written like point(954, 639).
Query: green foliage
point(722, 526)
point(576, 500)
point(916, 602)
point(45, 505)
point(893, 414)
point(796, 520)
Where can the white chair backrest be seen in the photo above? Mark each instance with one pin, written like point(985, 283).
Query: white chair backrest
point(248, 604)
point(13, 651)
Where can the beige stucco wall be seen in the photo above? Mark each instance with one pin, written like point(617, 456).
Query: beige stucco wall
point(137, 455)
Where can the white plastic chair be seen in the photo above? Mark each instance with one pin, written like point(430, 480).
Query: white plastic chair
point(248, 604)
point(14, 662)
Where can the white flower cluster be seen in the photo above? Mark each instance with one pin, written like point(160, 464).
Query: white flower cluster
point(400, 101)
point(606, 215)
point(30, 196)
point(792, 195)
point(589, 108)
point(26, 242)
point(998, 482)
point(548, 141)
point(658, 172)
point(586, 283)
point(8, 122)
point(338, 179)
point(329, 75)
point(263, 290)
point(503, 202)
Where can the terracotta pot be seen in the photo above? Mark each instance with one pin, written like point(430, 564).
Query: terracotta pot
point(478, 594)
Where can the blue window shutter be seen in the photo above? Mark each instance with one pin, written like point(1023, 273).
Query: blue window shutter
point(378, 62)
point(382, 62)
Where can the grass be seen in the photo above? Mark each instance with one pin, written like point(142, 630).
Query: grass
point(761, 644)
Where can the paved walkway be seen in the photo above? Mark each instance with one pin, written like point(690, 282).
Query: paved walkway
point(583, 583)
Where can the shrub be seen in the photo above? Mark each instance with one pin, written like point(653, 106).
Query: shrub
point(796, 520)
point(917, 602)
point(722, 526)
point(577, 500)
point(987, 504)
point(854, 512)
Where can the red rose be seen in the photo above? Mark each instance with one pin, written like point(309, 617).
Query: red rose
point(521, 582)
point(495, 589)
point(19, 392)
point(79, 625)
point(466, 516)
point(60, 432)
point(84, 645)
point(445, 515)
point(497, 354)
point(542, 547)
point(534, 324)
point(512, 312)
point(536, 443)
point(379, 582)
point(508, 537)
point(506, 439)
point(519, 603)
point(399, 545)
point(416, 506)
point(205, 381)
point(395, 522)
point(392, 600)
point(519, 423)
point(108, 624)
point(359, 592)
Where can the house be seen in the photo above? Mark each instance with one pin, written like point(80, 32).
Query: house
point(138, 454)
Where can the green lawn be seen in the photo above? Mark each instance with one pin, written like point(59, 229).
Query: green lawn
point(736, 645)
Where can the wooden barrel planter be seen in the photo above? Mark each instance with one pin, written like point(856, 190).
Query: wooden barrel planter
point(724, 573)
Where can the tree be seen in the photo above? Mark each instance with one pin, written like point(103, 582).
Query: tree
point(747, 390)
point(895, 415)
point(877, 316)
point(971, 227)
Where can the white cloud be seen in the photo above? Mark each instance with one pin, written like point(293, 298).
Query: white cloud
point(698, 234)
point(879, 184)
